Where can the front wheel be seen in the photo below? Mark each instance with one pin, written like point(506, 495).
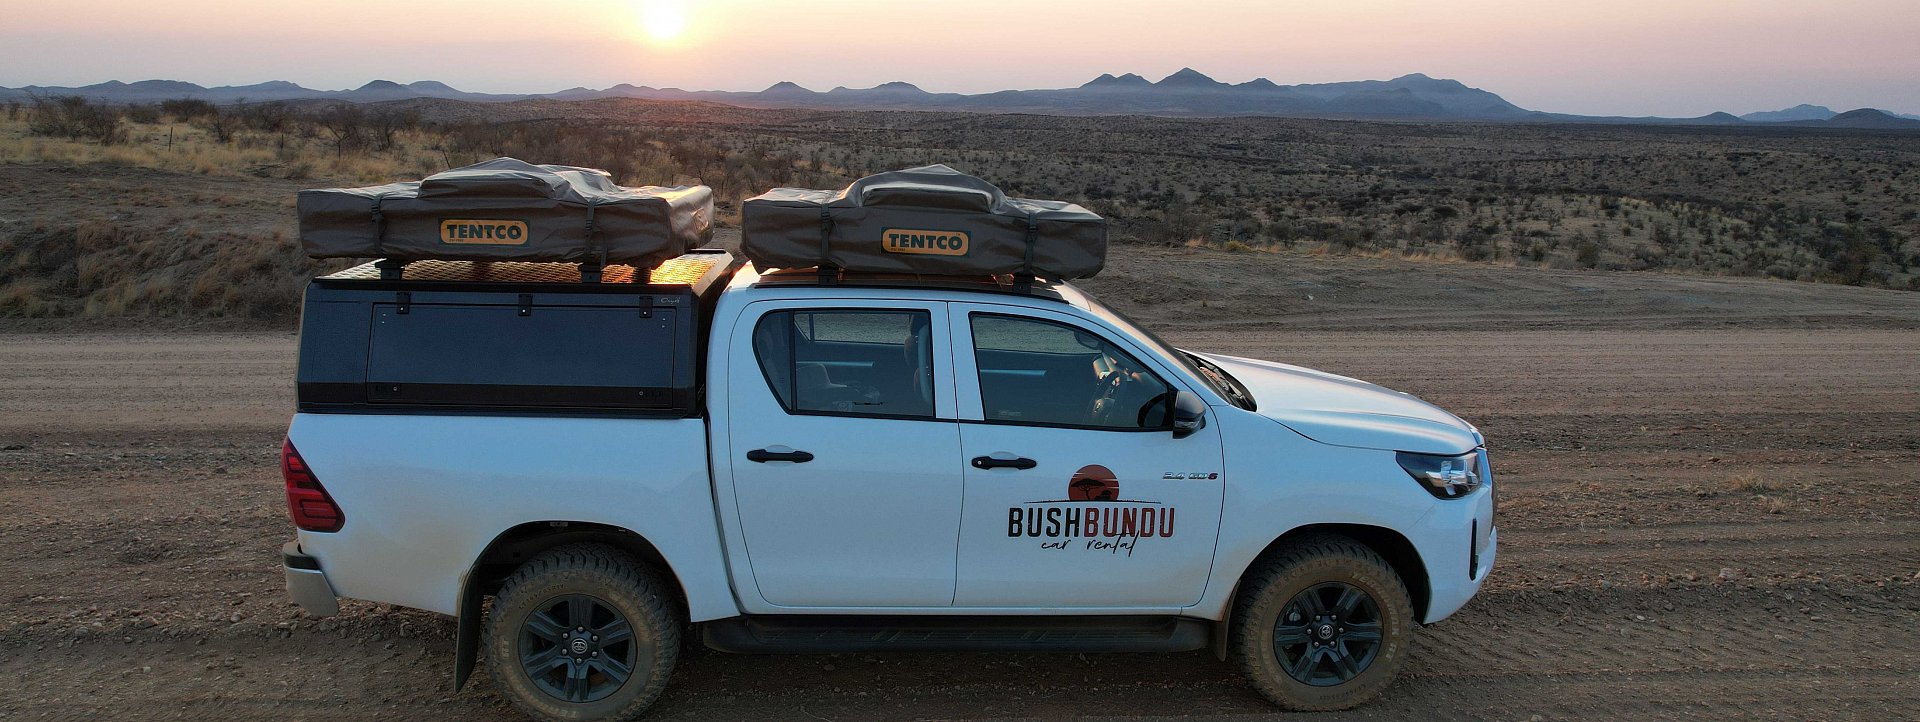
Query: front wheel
point(583, 632)
point(1321, 624)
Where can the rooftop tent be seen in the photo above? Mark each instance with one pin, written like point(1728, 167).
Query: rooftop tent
point(508, 210)
point(930, 220)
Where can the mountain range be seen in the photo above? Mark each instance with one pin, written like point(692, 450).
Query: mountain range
point(1184, 93)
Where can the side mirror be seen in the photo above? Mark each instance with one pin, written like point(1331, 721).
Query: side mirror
point(1189, 414)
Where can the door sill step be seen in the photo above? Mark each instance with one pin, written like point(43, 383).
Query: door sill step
point(881, 633)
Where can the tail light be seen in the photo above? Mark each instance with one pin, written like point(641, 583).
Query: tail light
point(307, 500)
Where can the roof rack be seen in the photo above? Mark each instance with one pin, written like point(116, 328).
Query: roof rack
point(1010, 283)
point(688, 269)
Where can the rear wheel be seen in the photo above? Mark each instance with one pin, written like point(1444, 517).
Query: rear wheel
point(583, 632)
point(1321, 624)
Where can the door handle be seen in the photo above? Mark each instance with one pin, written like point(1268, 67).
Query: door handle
point(763, 456)
point(988, 462)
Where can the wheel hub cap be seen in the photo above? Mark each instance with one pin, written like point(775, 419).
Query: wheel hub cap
point(1328, 634)
point(578, 648)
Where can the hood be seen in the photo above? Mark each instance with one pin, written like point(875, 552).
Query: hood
point(1348, 412)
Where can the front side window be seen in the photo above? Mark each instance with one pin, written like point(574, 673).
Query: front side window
point(870, 363)
point(1041, 372)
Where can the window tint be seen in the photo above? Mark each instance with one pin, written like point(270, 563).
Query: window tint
point(1042, 372)
point(877, 363)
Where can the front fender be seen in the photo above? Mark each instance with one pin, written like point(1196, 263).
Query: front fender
point(1279, 481)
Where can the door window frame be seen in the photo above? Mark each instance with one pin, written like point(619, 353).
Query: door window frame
point(938, 339)
point(966, 370)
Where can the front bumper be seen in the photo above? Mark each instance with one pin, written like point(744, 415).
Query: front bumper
point(307, 583)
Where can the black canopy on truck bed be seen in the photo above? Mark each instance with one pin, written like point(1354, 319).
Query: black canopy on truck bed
point(508, 336)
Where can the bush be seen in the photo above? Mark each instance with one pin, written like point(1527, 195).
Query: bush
point(75, 118)
point(1587, 254)
point(141, 113)
point(188, 108)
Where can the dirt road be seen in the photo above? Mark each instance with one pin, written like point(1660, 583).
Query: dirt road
point(1697, 522)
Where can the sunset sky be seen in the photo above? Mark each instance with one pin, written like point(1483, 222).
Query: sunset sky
point(1603, 57)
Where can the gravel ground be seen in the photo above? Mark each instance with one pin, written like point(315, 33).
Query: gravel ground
point(1707, 512)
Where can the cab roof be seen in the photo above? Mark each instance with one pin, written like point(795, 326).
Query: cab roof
point(1001, 285)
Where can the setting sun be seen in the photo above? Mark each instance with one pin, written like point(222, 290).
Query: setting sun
point(664, 21)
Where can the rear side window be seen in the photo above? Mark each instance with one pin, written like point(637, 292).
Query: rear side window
point(864, 363)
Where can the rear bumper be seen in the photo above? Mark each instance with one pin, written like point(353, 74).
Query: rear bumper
point(307, 583)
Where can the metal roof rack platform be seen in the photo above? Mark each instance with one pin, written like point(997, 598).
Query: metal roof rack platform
point(698, 268)
point(992, 283)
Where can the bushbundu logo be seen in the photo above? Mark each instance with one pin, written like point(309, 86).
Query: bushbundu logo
point(1093, 512)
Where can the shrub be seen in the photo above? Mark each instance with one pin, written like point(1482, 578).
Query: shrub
point(75, 118)
point(188, 108)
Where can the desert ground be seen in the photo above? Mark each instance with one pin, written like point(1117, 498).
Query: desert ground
point(1707, 512)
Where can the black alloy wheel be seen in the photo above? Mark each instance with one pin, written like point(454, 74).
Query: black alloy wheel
point(1327, 634)
point(1321, 622)
point(583, 632)
point(578, 648)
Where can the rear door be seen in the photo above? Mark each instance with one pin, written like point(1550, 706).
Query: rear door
point(847, 470)
point(1076, 493)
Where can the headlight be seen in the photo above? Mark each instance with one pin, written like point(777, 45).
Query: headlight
point(1446, 477)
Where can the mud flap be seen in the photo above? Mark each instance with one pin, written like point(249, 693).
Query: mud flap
point(466, 636)
point(1223, 629)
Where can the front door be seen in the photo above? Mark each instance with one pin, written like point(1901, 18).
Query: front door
point(847, 469)
point(1076, 493)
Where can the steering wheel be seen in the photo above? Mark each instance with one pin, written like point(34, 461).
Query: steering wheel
point(1108, 390)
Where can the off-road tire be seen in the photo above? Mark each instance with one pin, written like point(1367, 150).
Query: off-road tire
point(1277, 578)
point(615, 579)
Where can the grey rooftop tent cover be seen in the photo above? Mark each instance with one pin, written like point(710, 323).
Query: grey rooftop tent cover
point(930, 220)
point(508, 210)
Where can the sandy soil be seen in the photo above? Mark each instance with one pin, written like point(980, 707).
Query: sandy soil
point(1707, 512)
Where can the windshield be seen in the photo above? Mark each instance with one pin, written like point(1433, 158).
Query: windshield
point(1215, 377)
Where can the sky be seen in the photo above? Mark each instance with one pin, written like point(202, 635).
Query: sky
point(1598, 57)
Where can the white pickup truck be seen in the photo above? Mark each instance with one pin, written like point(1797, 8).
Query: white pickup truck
point(790, 462)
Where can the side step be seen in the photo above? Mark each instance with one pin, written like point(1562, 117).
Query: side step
point(834, 633)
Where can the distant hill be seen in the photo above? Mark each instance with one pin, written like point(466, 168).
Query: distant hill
point(1802, 111)
point(1187, 92)
point(1866, 118)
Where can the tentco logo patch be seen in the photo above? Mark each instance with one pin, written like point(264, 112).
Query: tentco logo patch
point(927, 243)
point(1093, 514)
point(471, 232)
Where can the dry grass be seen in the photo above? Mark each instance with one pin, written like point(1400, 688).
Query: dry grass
point(1750, 483)
point(183, 147)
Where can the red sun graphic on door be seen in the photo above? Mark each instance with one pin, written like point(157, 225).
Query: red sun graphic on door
point(1093, 482)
